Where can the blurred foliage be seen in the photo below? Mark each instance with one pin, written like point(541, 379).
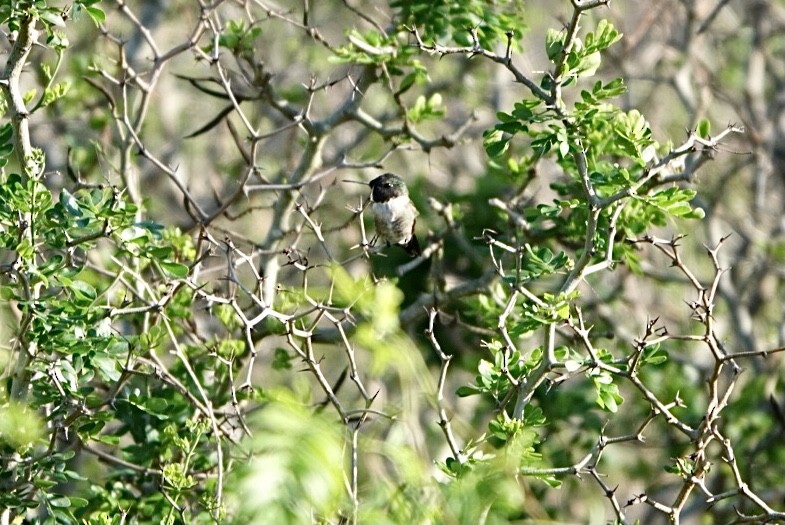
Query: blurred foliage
point(296, 469)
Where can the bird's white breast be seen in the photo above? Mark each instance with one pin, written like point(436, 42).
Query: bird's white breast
point(394, 219)
point(392, 209)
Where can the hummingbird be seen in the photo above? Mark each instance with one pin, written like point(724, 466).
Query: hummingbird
point(394, 212)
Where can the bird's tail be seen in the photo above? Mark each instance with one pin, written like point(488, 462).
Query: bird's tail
point(412, 247)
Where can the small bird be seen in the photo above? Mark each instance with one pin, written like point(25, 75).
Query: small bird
point(394, 212)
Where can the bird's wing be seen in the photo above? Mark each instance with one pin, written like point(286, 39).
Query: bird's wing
point(413, 208)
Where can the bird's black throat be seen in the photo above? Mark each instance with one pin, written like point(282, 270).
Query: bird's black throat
point(386, 187)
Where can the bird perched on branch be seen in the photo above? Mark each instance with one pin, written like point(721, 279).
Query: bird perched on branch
point(394, 212)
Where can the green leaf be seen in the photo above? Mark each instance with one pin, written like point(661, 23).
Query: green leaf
point(82, 290)
point(109, 440)
point(60, 501)
point(78, 502)
point(589, 64)
point(495, 143)
point(52, 17)
point(554, 43)
point(466, 391)
point(607, 401)
point(551, 481)
point(44, 483)
point(510, 127)
point(564, 148)
point(108, 367)
point(604, 36)
point(425, 109)
point(29, 95)
point(69, 203)
point(56, 92)
point(602, 91)
point(6, 134)
point(704, 128)
point(654, 356)
point(177, 270)
point(533, 416)
point(154, 406)
point(407, 82)
point(282, 360)
point(96, 15)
